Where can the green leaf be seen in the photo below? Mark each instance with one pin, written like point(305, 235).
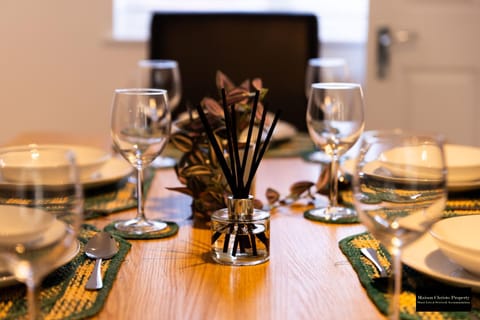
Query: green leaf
point(196, 170)
point(300, 187)
point(182, 141)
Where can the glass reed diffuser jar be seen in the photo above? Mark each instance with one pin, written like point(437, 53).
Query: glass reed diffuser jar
point(240, 233)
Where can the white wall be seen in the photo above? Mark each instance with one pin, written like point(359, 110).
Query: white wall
point(353, 53)
point(58, 66)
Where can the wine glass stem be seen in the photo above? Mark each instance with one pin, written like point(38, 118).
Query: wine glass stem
point(396, 287)
point(334, 181)
point(140, 203)
point(33, 300)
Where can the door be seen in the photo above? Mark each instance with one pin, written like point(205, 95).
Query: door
point(423, 67)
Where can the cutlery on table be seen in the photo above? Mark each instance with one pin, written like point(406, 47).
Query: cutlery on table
point(101, 246)
point(371, 254)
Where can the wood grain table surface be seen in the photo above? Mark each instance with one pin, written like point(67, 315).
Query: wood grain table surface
point(307, 276)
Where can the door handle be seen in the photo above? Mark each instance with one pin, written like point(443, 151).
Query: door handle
point(384, 42)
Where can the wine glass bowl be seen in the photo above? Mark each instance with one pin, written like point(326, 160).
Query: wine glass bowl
point(140, 129)
point(40, 215)
point(399, 190)
point(335, 121)
point(405, 177)
point(162, 74)
point(325, 69)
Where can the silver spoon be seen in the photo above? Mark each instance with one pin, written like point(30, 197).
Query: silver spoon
point(101, 246)
point(371, 254)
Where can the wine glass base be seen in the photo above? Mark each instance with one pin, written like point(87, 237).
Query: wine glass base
point(163, 162)
point(332, 214)
point(139, 227)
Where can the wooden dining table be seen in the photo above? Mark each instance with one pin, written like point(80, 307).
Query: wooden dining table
point(307, 276)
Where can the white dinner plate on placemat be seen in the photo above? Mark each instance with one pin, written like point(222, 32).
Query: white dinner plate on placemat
point(283, 130)
point(424, 256)
point(463, 164)
point(21, 158)
point(114, 170)
point(6, 279)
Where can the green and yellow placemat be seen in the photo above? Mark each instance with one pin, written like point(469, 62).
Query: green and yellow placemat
point(457, 203)
point(376, 287)
point(298, 145)
point(114, 198)
point(63, 293)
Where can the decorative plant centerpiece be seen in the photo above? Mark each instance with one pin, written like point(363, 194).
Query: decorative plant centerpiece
point(240, 233)
point(199, 169)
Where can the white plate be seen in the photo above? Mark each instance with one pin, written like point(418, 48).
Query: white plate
point(7, 280)
point(114, 170)
point(24, 224)
point(458, 239)
point(463, 163)
point(463, 186)
point(348, 167)
point(424, 255)
point(89, 160)
point(283, 130)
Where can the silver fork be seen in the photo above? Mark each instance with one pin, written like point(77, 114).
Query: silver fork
point(371, 254)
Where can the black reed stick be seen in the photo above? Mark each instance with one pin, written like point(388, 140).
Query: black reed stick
point(216, 148)
point(256, 161)
point(250, 128)
point(229, 128)
point(238, 193)
point(258, 142)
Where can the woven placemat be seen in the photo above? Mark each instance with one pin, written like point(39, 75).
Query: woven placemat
point(113, 198)
point(460, 203)
point(298, 145)
point(63, 293)
point(376, 287)
point(170, 230)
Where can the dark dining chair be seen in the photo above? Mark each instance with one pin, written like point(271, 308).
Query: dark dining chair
point(272, 46)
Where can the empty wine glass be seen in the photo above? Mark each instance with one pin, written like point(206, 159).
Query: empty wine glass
point(399, 191)
point(335, 121)
point(140, 130)
point(41, 206)
point(162, 74)
point(324, 69)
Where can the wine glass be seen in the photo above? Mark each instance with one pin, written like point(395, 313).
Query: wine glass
point(41, 208)
point(324, 69)
point(140, 130)
point(399, 191)
point(335, 121)
point(162, 74)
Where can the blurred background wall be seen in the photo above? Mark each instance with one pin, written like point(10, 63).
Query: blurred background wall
point(59, 65)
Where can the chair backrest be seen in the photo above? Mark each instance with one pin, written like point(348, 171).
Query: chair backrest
point(272, 46)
